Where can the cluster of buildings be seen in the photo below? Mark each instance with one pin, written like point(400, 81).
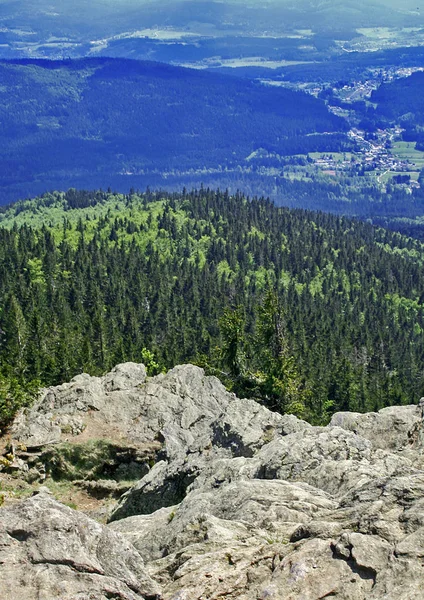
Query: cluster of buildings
point(373, 154)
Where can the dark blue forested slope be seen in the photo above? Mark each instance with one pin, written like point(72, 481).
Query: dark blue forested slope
point(121, 123)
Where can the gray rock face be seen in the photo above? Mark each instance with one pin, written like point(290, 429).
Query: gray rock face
point(244, 503)
point(49, 551)
point(184, 408)
point(85, 401)
point(390, 429)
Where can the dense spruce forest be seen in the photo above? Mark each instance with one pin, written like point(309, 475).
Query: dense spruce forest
point(308, 312)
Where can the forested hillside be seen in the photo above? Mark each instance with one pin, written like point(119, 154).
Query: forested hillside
point(307, 311)
point(100, 122)
point(402, 101)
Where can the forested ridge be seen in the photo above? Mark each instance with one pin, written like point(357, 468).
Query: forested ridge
point(306, 311)
point(103, 121)
point(401, 101)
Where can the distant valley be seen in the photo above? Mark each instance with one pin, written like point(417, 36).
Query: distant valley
point(348, 146)
point(126, 123)
point(314, 104)
point(204, 30)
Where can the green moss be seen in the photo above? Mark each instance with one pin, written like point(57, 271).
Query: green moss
point(95, 459)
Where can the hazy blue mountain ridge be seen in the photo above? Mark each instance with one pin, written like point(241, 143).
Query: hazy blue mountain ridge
point(76, 28)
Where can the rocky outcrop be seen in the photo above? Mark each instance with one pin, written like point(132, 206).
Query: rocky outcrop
point(133, 422)
point(49, 551)
point(241, 502)
point(184, 409)
point(103, 403)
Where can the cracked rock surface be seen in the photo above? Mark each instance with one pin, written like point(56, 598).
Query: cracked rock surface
point(241, 502)
point(49, 551)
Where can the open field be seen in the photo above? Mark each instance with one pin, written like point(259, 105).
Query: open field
point(377, 38)
point(388, 175)
point(407, 151)
point(247, 61)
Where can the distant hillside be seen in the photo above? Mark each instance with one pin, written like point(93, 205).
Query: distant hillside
point(90, 279)
point(113, 122)
point(402, 101)
point(52, 28)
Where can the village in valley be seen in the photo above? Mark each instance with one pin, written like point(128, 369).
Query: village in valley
point(381, 155)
